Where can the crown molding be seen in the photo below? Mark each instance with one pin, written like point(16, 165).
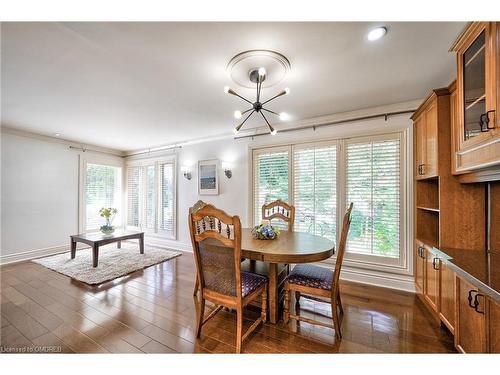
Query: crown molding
point(87, 146)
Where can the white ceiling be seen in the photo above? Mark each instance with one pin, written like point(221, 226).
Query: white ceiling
point(137, 85)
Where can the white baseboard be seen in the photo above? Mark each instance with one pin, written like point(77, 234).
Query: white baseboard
point(169, 244)
point(382, 279)
point(37, 253)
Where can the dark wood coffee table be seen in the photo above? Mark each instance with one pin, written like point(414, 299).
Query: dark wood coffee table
point(97, 239)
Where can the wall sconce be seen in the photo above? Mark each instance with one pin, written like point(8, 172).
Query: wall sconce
point(186, 172)
point(227, 169)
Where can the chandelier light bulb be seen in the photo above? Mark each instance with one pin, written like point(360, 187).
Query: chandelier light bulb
point(237, 114)
point(287, 91)
point(226, 89)
point(284, 116)
point(262, 72)
point(236, 131)
point(274, 131)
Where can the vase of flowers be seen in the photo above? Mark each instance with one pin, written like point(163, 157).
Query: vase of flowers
point(108, 214)
point(265, 231)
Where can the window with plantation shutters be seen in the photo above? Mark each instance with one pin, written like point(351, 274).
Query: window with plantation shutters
point(271, 179)
point(373, 184)
point(133, 195)
point(315, 189)
point(102, 188)
point(166, 206)
point(151, 197)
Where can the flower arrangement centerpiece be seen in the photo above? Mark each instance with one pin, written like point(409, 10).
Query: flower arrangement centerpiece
point(108, 214)
point(265, 231)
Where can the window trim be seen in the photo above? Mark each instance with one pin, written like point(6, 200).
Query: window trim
point(362, 260)
point(156, 161)
point(82, 206)
point(404, 264)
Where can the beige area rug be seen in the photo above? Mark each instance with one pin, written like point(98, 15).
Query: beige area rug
point(113, 262)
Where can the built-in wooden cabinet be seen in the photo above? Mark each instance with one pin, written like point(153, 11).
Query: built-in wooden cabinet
point(476, 125)
point(419, 267)
point(431, 279)
point(493, 323)
point(470, 335)
point(447, 295)
point(426, 135)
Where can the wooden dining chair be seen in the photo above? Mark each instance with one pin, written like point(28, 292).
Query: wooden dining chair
point(196, 207)
point(216, 240)
point(318, 283)
point(281, 210)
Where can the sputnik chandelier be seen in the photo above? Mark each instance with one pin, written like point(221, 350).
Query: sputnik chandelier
point(257, 76)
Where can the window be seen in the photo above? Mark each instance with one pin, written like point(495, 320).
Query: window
point(315, 191)
point(151, 197)
point(321, 179)
point(270, 178)
point(102, 188)
point(373, 183)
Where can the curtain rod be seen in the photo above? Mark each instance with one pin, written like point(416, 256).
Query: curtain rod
point(167, 148)
point(314, 127)
point(83, 149)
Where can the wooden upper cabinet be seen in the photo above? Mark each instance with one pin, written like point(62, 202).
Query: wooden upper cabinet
point(470, 332)
point(432, 114)
point(420, 145)
point(477, 123)
point(431, 144)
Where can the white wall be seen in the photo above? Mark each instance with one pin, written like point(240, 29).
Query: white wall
point(39, 196)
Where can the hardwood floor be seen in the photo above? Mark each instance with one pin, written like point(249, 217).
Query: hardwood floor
point(153, 311)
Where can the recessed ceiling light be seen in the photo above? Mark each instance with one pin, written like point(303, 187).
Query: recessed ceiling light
point(377, 33)
point(57, 134)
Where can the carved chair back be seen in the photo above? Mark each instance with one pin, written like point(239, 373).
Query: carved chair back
point(216, 240)
point(341, 250)
point(281, 210)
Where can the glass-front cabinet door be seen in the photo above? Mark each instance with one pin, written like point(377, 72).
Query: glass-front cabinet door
point(474, 88)
point(476, 125)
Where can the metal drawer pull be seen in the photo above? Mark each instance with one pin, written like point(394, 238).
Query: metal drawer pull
point(476, 303)
point(435, 263)
point(488, 120)
point(483, 120)
point(470, 298)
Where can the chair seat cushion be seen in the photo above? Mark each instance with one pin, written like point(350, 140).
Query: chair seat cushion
point(251, 281)
point(311, 276)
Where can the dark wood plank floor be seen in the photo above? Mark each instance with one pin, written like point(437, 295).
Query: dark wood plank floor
point(153, 311)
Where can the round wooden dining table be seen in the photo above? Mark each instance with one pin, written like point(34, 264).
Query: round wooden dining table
point(275, 255)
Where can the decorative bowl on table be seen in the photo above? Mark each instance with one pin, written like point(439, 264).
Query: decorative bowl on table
point(107, 229)
point(265, 232)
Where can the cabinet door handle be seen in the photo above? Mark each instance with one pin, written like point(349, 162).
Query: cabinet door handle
point(470, 298)
point(435, 263)
point(476, 303)
point(487, 119)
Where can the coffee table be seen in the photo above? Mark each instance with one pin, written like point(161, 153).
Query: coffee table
point(97, 239)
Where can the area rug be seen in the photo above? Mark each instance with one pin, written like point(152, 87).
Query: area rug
point(113, 262)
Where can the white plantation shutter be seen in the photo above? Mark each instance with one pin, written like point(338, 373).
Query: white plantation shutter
point(134, 189)
point(151, 197)
point(373, 180)
point(150, 201)
point(102, 189)
point(166, 206)
point(271, 180)
point(315, 192)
